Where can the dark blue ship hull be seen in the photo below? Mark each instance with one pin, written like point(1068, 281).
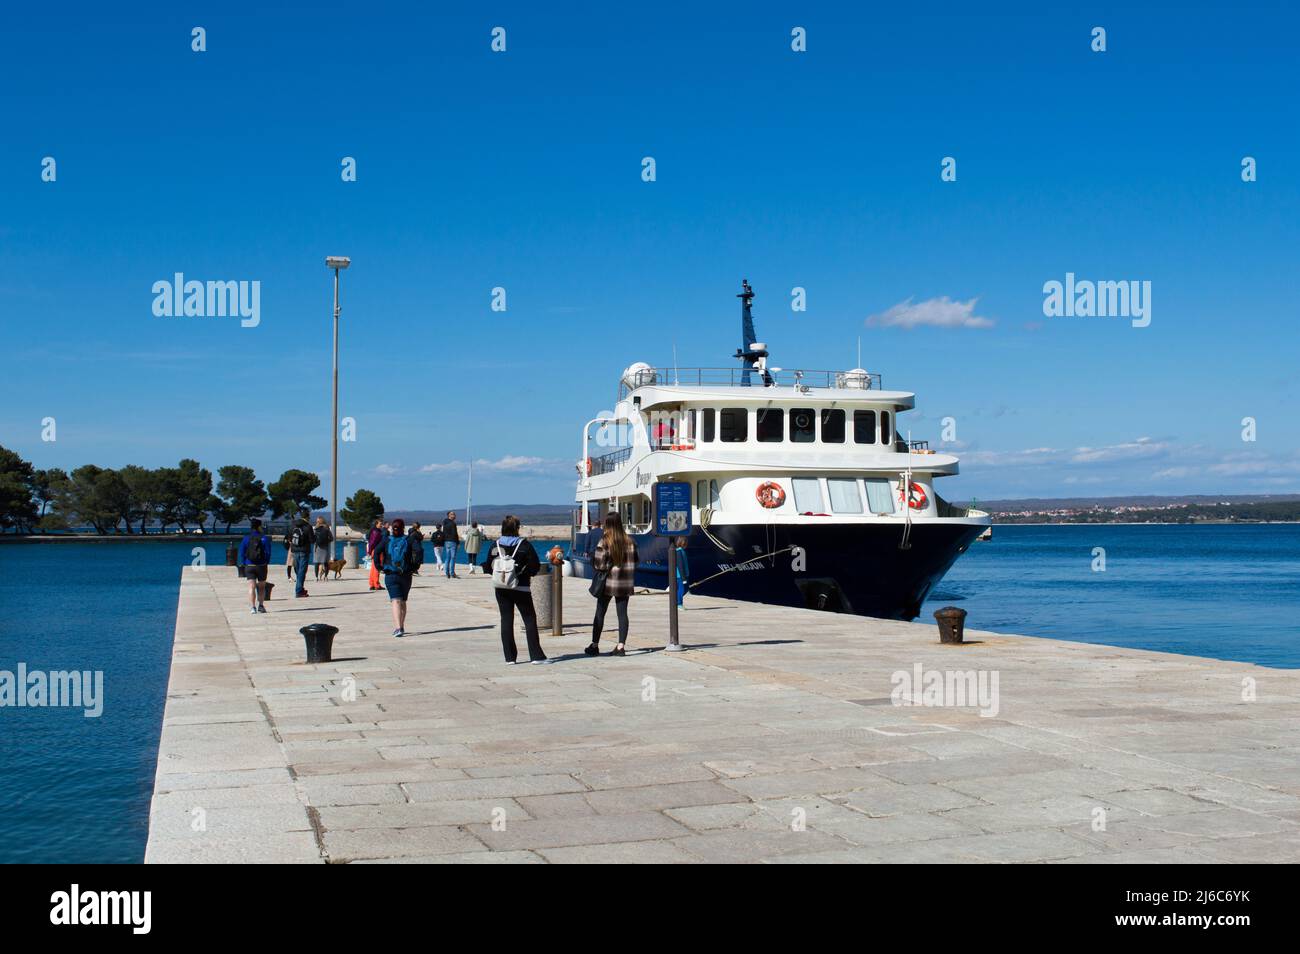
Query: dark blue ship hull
point(855, 569)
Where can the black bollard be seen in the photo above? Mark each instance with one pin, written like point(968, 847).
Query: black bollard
point(320, 641)
point(952, 623)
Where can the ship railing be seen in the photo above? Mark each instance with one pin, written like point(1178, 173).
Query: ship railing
point(740, 377)
point(668, 442)
point(946, 509)
point(608, 463)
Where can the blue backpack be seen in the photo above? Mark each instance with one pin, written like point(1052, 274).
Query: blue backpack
point(397, 555)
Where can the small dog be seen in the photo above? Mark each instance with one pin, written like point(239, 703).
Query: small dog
point(335, 567)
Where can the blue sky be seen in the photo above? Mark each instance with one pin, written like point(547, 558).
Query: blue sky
point(522, 169)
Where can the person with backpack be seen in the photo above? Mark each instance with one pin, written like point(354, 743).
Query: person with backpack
point(301, 540)
point(614, 561)
point(417, 547)
point(450, 543)
point(398, 563)
point(473, 543)
point(512, 563)
point(254, 555)
point(373, 540)
point(322, 539)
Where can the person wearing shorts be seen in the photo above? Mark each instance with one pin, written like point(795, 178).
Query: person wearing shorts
point(254, 555)
point(397, 579)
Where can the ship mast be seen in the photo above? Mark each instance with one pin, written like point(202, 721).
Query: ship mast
point(750, 351)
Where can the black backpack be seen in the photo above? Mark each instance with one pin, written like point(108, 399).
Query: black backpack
point(415, 551)
point(300, 538)
point(255, 552)
point(323, 536)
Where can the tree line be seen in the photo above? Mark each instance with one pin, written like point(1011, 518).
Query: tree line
point(132, 498)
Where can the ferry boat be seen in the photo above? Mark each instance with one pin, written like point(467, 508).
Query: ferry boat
point(803, 492)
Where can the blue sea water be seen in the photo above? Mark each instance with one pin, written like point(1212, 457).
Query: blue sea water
point(1225, 591)
point(78, 789)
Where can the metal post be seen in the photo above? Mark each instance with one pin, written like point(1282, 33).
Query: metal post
point(674, 644)
point(557, 600)
point(334, 465)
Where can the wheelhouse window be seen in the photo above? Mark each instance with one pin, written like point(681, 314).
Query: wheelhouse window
point(864, 427)
point(808, 495)
point(708, 420)
point(715, 498)
point(884, 427)
point(734, 427)
point(803, 426)
point(701, 493)
point(833, 425)
point(880, 495)
point(770, 424)
point(844, 495)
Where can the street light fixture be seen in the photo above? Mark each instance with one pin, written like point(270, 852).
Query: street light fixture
point(338, 263)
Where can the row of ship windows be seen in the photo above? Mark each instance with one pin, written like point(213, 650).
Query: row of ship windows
point(846, 494)
point(730, 425)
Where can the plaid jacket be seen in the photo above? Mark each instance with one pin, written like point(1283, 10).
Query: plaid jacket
point(620, 580)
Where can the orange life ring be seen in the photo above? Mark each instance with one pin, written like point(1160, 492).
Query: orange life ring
point(770, 495)
point(917, 499)
point(588, 466)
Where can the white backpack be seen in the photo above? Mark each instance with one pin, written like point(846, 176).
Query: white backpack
point(505, 573)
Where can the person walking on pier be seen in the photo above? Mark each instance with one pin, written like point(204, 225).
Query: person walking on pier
point(398, 562)
point(323, 538)
point(615, 562)
point(417, 547)
point(373, 539)
point(254, 556)
point(301, 541)
point(511, 580)
point(450, 543)
point(473, 543)
point(438, 540)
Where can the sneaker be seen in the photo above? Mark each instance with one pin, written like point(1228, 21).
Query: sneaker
point(512, 662)
point(618, 651)
point(592, 650)
point(253, 610)
point(397, 632)
point(261, 608)
point(539, 662)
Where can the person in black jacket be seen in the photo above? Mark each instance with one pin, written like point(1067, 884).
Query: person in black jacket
point(450, 544)
point(300, 540)
point(519, 595)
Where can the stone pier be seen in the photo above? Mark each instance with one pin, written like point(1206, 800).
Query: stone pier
point(777, 738)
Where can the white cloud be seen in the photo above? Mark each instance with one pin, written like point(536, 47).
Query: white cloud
point(1140, 449)
point(507, 464)
point(933, 312)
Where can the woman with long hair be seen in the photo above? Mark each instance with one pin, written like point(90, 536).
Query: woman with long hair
point(615, 563)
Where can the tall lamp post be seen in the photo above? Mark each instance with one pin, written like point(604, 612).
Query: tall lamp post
point(338, 263)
